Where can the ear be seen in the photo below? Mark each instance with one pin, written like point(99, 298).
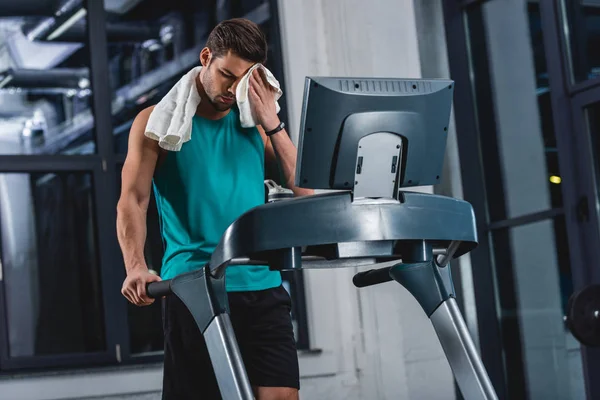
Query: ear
point(205, 56)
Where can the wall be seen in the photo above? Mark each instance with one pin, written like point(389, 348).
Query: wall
point(382, 344)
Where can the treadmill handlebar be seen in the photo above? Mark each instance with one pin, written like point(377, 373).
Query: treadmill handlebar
point(361, 279)
point(372, 277)
point(158, 289)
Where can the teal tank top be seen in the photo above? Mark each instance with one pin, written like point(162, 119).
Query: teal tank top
point(201, 189)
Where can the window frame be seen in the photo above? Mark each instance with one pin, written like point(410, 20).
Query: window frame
point(583, 238)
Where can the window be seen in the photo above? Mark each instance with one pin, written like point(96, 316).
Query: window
point(64, 127)
point(53, 292)
point(517, 146)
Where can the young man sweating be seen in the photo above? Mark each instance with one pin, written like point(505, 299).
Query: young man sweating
point(200, 190)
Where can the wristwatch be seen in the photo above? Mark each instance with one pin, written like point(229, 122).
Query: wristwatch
point(277, 129)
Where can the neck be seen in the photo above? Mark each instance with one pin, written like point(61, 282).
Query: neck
point(205, 108)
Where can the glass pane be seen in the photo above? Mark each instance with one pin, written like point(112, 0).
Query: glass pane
point(152, 44)
point(542, 87)
point(45, 90)
point(514, 112)
point(542, 358)
point(584, 38)
point(145, 323)
point(50, 264)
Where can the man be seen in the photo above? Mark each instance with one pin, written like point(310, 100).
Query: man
point(200, 190)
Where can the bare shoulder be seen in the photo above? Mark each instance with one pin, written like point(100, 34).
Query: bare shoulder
point(141, 120)
point(138, 129)
point(139, 143)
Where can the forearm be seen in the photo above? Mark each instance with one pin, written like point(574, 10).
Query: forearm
point(131, 233)
point(285, 152)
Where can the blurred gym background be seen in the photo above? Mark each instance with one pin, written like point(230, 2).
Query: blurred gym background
point(522, 149)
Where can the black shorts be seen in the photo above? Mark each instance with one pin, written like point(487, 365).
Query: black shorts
point(263, 328)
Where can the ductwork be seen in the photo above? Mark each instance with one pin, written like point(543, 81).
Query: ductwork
point(59, 78)
point(69, 13)
point(125, 32)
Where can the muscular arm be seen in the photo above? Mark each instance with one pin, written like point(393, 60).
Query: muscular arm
point(280, 149)
point(142, 156)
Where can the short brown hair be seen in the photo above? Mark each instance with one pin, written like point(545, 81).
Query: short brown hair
point(242, 37)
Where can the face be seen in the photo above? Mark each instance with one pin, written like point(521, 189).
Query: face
point(220, 76)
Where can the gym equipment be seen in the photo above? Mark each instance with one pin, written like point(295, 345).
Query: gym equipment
point(367, 138)
point(583, 315)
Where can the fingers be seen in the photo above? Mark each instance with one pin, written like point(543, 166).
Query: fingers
point(254, 84)
point(259, 82)
point(143, 296)
point(130, 293)
point(142, 288)
point(254, 95)
point(263, 77)
point(257, 77)
point(134, 290)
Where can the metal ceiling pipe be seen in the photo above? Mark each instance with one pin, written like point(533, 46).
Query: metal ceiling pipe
point(120, 32)
point(63, 18)
point(51, 78)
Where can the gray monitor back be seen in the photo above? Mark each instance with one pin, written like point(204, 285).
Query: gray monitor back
point(350, 121)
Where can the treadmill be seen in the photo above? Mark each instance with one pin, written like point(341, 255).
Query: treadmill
point(364, 141)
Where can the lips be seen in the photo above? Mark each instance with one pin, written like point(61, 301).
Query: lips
point(227, 100)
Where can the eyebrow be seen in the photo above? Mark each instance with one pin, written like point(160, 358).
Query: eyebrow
point(226, 71)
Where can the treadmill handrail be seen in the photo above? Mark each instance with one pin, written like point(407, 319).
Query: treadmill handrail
point(332, 218)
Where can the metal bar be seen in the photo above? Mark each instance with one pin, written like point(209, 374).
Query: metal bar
point(322, 262)
point(112, 271)
point(443, 259)
point(63, 78)
point(227, 360)
point(461, 353)
point(586, 99)
point(299, 306)
point(439, 251)
point(584, 86)
point(54, 360)
point(28, 163)
point(526, 219)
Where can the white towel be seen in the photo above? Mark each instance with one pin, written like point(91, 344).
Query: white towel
point(247, 117)
point(170, 123)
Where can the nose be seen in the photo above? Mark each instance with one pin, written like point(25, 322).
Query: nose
point(233, 87)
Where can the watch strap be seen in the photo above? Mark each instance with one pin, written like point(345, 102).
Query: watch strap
point(277, 129)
